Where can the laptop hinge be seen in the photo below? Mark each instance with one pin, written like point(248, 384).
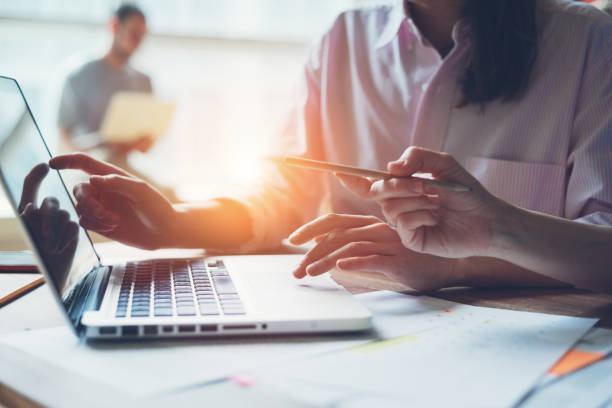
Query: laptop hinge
point(88, 295)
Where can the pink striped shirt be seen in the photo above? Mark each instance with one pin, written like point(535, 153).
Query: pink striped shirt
point(374, 86)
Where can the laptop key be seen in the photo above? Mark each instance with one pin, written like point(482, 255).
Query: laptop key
point(234, 311)
point(231, 302)
point(219, 272)
point(209, 310)
point(224, 296)
point(224, 284)
point(163, 312)
point(140, 313)
point(186, 311)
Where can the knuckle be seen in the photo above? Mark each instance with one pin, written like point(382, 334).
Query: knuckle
point(80, 156)
point(332, 216)
point(447, 158)
point(372, 219)
point(392, 184)
point(378, 260)
point(380, 227)
point(78, 190)
point(412, 150)
point(354, 245)
point(357, 246)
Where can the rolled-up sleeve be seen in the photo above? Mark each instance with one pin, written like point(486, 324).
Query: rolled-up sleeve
point(589, 191)
point(289, 197)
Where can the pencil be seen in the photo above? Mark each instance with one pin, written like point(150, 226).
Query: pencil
point(357, 171)
point(16, 294)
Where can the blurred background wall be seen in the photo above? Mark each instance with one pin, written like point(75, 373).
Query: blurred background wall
point(229, 66)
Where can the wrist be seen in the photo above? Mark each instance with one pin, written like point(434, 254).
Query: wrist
point(505, 230)
point(459, 272)
point(177, 227)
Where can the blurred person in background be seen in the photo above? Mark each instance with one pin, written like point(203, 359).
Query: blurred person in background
point(88, 91)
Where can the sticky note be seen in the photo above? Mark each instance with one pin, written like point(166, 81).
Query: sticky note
point(574, 360)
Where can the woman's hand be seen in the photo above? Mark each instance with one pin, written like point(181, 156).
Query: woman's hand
point(364, 243)
point(428, 218)
point(119, 206)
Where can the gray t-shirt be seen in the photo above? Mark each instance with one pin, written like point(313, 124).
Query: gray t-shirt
point(87, 93)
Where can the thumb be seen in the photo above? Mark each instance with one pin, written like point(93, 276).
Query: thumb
point(419, 160)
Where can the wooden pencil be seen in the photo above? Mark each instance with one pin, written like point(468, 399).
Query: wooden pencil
point(357, 171)
point(16, 294)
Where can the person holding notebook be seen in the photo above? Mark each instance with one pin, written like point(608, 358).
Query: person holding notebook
point(519, 118)
point(88, 91)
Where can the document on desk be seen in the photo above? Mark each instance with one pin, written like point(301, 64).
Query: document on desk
point(146, 369)
point(423, 351)
point(433, 353)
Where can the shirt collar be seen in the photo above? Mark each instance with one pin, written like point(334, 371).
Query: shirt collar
point(397, 15)
point(400, 13)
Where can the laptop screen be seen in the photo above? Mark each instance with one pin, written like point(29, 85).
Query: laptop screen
point(39, 196)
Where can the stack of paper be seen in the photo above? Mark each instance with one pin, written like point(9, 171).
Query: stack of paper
point(433, 353)
point(422, 352)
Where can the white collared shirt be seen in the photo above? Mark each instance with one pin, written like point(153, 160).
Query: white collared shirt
point(373, 86)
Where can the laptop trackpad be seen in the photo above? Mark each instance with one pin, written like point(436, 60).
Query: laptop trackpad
point(268, 283)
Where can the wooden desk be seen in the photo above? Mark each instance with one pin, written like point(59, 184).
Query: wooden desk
point(569, 302)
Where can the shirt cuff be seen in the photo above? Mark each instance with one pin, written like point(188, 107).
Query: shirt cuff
point(597, 218)
point(267, 233)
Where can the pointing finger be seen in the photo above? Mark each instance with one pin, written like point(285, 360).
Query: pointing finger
point(327, 223)
point(81, 161)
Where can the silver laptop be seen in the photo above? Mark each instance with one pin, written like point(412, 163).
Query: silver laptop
point(217, 296)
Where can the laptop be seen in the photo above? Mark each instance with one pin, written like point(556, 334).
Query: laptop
point(157, 298)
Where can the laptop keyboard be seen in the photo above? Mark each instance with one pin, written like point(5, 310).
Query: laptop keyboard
point(165, 287)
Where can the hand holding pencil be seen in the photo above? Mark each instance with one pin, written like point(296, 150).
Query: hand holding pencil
point(450, 216)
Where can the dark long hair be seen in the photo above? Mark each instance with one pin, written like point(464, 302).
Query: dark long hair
point(503, 52)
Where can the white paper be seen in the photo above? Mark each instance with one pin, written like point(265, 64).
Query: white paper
point(10, 282)
point(436, 353)
point(144, 368)
point(131, 115)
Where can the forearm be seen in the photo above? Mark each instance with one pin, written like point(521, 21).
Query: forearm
point(573, 252)
point(484, 272)
point(215, 224)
